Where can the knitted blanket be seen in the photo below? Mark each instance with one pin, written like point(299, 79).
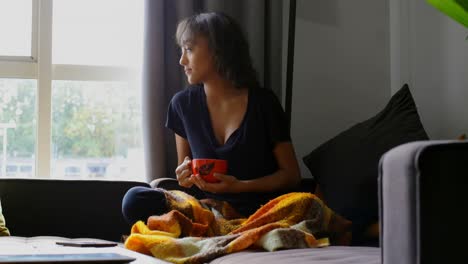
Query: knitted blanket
point(198, 231)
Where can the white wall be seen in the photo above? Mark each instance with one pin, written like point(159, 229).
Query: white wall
point(341, 68)
point(429, 51)
point(351, 56)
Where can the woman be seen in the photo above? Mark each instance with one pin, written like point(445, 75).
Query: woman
point(223, 114)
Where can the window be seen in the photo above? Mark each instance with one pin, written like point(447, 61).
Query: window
point(72, 171)
point(104, 32)
point(16, 28)
point(17, 123)
point(80, 96)
point(11, 170)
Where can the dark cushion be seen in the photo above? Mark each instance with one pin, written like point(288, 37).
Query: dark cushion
point(346, 166)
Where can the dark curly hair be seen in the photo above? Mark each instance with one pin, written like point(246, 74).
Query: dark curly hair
point(227, 42)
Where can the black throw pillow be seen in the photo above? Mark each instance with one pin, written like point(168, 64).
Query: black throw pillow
point(346, 166)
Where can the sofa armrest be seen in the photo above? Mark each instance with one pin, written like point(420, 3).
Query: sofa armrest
point(421, 189)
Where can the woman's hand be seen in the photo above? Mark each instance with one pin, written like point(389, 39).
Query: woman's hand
point(226, 184)
point(184, 173)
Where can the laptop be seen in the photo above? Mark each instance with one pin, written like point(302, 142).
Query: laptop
point(67, 258)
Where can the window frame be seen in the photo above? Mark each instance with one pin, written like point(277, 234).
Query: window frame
point(39, 66)
point(23, 67)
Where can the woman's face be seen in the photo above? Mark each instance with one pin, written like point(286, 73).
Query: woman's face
point(197, 60)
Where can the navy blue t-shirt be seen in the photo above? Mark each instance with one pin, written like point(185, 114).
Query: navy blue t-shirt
point(248, 151)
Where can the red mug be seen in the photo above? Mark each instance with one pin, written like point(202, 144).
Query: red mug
point(207, 167)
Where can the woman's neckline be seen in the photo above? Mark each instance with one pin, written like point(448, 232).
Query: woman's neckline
point(228, 142)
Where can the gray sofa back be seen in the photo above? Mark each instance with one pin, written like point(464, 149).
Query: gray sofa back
point(69, 208)
point(422, 190)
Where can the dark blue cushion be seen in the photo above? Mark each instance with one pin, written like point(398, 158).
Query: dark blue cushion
point(346, 166)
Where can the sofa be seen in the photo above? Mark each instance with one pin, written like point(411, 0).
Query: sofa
point(68, 208)
point(421, 187)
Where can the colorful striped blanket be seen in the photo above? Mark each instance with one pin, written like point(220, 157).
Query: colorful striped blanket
point(198, 231)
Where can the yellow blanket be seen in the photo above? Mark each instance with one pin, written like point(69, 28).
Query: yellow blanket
point(198, 231)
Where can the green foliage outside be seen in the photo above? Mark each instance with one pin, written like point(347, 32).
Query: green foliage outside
point(89, 119)
point(18, 106)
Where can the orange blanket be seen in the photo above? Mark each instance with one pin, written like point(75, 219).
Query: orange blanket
point(198, 231)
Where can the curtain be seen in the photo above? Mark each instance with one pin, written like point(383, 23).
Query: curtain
point(261, 21)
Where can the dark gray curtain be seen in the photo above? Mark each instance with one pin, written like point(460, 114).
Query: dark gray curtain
point(163, 77)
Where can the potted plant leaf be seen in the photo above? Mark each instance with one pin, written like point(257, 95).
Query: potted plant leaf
point(456, 9)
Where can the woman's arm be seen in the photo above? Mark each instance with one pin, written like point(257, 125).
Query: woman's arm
point(287, 176)
point(183, 171)
point(183, 148)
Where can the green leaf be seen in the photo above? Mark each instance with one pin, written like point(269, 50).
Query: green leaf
point(463, 3)
point(456, 9)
